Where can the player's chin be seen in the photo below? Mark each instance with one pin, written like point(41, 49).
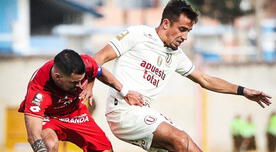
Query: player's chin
point(174, 47)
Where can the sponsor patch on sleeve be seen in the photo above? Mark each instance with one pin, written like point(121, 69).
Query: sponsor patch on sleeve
point(37, 99)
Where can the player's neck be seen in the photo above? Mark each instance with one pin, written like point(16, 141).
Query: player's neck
point(161, 34)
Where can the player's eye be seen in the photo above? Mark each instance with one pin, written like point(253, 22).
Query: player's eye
point(183, 29)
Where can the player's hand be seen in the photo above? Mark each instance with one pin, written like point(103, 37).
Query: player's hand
point(260, 97)
point(134, 98)
point(86, 94)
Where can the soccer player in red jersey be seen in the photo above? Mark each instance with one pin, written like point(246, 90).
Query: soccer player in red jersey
point(54, 108)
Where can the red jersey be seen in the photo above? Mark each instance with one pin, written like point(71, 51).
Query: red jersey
point(44, 98)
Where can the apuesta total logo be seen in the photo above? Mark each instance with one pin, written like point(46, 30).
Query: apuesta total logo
point(152, 73)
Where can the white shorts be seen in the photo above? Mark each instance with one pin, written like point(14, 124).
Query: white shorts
point(135, 124)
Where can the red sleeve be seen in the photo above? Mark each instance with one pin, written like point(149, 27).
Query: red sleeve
point(35, 102)
point(91, 66)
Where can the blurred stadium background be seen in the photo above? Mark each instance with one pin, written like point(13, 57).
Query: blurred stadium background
point(234, 39)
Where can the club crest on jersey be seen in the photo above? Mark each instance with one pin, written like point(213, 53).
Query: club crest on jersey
point(169, 59)
point(65, 102)
point(150, 120)
point(68, 102)
point(159, 61)
point(37, 99)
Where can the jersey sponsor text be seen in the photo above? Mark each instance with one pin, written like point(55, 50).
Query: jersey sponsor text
point(152, 73)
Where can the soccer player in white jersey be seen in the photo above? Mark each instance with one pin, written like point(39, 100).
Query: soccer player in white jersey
point(146, 58)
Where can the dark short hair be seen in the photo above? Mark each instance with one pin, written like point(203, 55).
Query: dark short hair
point(174, 8)
point(69, 61)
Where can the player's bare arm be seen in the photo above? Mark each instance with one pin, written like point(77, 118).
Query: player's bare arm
point(132, 97)
point(34, 130)
point(222, 86)
point(104, 55)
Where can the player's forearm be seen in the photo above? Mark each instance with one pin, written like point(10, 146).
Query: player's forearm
point(220, 85)
point(213, 83)
point(39, 146)
point(32, 137)
point(34, 130)
point(108, 79)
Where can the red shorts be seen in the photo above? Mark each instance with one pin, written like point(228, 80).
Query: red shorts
point(81, 130)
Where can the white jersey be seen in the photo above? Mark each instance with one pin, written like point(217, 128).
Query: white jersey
point(144, 64)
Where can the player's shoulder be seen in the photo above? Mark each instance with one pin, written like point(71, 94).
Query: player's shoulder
point(43, 73)
point(180, 51)
point(140, 33)
point(180, 54)
point(48, 65)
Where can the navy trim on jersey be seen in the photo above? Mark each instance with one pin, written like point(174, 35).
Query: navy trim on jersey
point(189, 70)
point(116, 48)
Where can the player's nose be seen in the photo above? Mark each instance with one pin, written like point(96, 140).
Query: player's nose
point(184, 36)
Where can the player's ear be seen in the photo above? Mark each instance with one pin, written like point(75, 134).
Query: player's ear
point(57, 76)
point(166, 24)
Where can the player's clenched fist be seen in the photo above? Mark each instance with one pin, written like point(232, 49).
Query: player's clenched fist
point(134, 98)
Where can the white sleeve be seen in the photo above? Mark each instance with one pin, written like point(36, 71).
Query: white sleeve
point(185, 66)
point(124, 41)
